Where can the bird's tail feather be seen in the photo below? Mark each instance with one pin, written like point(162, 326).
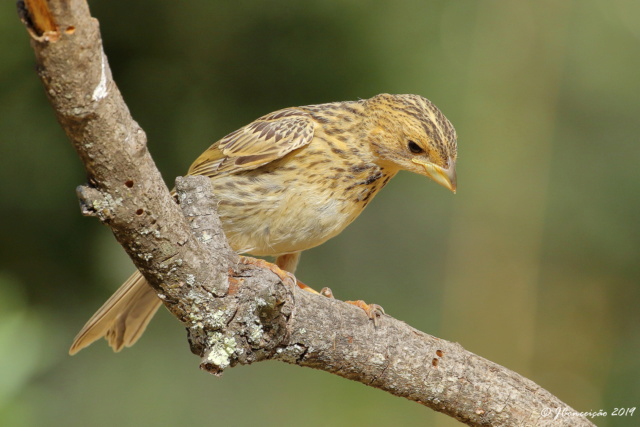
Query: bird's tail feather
point(123, 318)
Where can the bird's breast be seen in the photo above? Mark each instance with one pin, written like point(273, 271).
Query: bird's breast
point(295, 203)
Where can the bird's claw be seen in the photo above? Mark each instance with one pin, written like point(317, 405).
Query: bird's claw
point(373, 311)
point(327, 292)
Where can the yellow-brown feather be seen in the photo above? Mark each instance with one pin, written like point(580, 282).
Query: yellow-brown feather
point(295, 178)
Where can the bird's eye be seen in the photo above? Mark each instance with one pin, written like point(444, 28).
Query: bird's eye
point(414, 148)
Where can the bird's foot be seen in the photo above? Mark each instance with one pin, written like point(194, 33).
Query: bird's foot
point(373, 311)
point(307, 288)
point(286, 277)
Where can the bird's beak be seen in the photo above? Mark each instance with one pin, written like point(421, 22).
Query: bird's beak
point(444, 177)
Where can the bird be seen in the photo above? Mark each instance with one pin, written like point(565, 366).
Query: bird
point(294, 178)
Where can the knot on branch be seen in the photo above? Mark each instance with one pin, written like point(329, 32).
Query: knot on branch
point(95, 203)
point(246, 326)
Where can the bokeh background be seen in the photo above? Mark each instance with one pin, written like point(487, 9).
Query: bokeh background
point(534, 264)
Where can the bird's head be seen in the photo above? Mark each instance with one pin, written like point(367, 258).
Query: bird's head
point(410, 133)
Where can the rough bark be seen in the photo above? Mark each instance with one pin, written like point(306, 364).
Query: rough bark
point(236, 312)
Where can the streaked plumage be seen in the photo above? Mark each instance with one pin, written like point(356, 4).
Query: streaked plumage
point(293, 179)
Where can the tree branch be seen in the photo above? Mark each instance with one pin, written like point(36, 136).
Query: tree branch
point(236, 312)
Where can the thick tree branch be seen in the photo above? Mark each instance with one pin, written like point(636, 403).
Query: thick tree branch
point(237, 313)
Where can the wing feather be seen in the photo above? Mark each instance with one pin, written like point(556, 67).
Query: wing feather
point(268, 138)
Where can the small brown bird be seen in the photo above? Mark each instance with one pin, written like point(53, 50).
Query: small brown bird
point(295, 178)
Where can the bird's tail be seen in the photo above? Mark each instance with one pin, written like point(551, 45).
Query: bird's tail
point(123, 318)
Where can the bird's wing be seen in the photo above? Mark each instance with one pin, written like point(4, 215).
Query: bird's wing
point(267, 139)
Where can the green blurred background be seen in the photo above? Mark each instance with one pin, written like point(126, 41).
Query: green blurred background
point(534, 264)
